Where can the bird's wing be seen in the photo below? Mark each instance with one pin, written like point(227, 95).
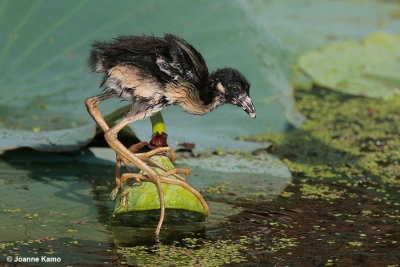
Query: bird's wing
point(132, 50)
point(182, 62)
point(168, 59)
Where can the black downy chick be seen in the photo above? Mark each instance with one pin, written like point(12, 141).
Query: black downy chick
point(153, 72)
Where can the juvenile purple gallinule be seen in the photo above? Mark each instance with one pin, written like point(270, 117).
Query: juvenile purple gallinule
point(153, 73)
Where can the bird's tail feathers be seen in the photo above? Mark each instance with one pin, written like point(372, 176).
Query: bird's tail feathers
point(96, 61)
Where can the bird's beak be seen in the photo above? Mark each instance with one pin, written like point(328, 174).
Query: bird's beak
point(247, 105)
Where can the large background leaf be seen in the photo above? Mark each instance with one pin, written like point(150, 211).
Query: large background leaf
point(308, 24)
point(368, 68)
point(45, 78)
point(301, 26)
point(45, 45)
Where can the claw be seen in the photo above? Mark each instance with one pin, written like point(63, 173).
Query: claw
point(114, 193)
point(186, 172)
point(175, 171)
point(137, 177)
point(173, 155)
point(158, 165)
point(191, 189)
point(155, 151)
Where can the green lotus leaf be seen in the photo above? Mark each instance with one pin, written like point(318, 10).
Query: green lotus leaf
point(145, 196)
point(369, 68)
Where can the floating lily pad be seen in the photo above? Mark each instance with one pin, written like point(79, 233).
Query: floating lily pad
point(228, 176)
point(239, 177)
point(369, 68)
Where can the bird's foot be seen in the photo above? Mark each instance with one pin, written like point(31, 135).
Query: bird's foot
point(185, 185)
point(159, 147)
point(161, 151)
point(125, 191)
point(146, 157)
point(134, 148)
point(167, 172)
point(161, 178)
point(120, 180)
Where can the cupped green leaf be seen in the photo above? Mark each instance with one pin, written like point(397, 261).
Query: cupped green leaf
point(369, 68)
point(145, 196)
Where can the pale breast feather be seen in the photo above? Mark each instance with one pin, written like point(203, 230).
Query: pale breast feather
point(129, 77)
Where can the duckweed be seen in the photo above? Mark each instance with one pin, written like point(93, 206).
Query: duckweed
point(342, 206)
point(188, 252)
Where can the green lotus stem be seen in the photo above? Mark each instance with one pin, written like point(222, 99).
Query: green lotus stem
point(157, 123)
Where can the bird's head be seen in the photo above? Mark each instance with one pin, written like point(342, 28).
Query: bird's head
point(233, 87)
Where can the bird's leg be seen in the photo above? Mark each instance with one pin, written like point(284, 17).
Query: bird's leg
point(162, 205)
point(114, 143)
point(158, 165)
point(165, 179)
point(118, 172)
point(120, 158)
point(127, 155)
point(147, 158)
point(157, 151)
point(91, 105)
point(124, 154)
point(159, 143)
point(174, 173)
point(136, 176)
point(188, 187)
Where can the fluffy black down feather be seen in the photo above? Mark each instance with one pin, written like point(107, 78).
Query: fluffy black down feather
point(168, 59)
